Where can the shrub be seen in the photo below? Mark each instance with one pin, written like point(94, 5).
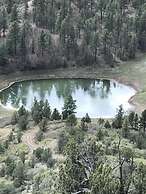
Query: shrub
point(55, 115)
point(62, 140)
point(43, 125)
point(39, 135)
point(71, 120)
point(87, 118)
point(23, 122)
point(107, 125)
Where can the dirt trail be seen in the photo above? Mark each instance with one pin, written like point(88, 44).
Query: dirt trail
point(29, 139)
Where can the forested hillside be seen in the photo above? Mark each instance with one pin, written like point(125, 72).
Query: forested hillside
point(59, 33)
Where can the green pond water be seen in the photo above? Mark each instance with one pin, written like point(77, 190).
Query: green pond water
point(98, 98)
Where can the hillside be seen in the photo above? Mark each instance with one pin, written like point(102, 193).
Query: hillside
point(60, 33)
point(72, 97)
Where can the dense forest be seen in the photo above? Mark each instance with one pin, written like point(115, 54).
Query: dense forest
point(60, 33)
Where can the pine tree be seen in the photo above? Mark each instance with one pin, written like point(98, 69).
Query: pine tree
point(25, 33)
point(3, 21)
point(14, 32)
point(125, 128)
point(18, 174)
point(69, 107)
point(42, 42)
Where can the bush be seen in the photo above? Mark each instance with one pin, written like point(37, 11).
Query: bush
point(100, 135)
point(39, 135)
point(71, 120)
point(84, 125)
point(101, 122)
point(2, 149)
point(38, 153)
point(107, 125)
point(87, 119)
point(14, 118)
point(62, 141)
point(6, 187)
point(44, 155)
point(23, 122)
point(43, 125)
point(55, 115)
point(19, 136)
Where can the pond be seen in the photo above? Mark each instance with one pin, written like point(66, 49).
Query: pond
point(98, 98)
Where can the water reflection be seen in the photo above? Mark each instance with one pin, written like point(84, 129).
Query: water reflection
point(100, 98)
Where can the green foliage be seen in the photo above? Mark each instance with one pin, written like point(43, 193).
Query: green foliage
point(69, 107)
point(140, 178)
point(125, 128)
point(62, 141)
point(107, 125)
point(81, 33)
point(91, 164)
point(40, 110)
point(22, 111)
point(71, 120)
point(10, 165)
point(21, 118)
point(39, 135)
point(44, 155)
point(6, 187)
point(14, 36)
point(23, 122)
point(19, 136)
point(11, 137)
point(84, 125)
point(43, 125)
point(86, 119)
point(143, 120)
point(118, 122)
point(3, 56)
point(101, 122)
point(14, 119)
point(100, 135)
point(76, 167)
point(102, 181)
point(18, 174)
point(2, 149)
point(55, 115)
point(46, 182)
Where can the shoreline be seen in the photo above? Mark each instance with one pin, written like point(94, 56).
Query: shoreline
point(68, 73)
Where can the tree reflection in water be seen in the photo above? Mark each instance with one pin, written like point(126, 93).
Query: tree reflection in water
point(97, 97)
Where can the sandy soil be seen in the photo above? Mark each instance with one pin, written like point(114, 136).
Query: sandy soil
point(50, 137)
point(29, 139)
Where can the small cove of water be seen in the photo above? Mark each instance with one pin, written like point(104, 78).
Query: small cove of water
point(98, 98)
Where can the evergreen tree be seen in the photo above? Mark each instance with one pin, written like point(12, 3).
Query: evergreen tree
point(119, 118)
point(25, 33)
point(18, 174)
point(71, 120)
point(3, 21)
point(125, 128)
point(69, 107)
point(42, 42)
point(14, 32)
